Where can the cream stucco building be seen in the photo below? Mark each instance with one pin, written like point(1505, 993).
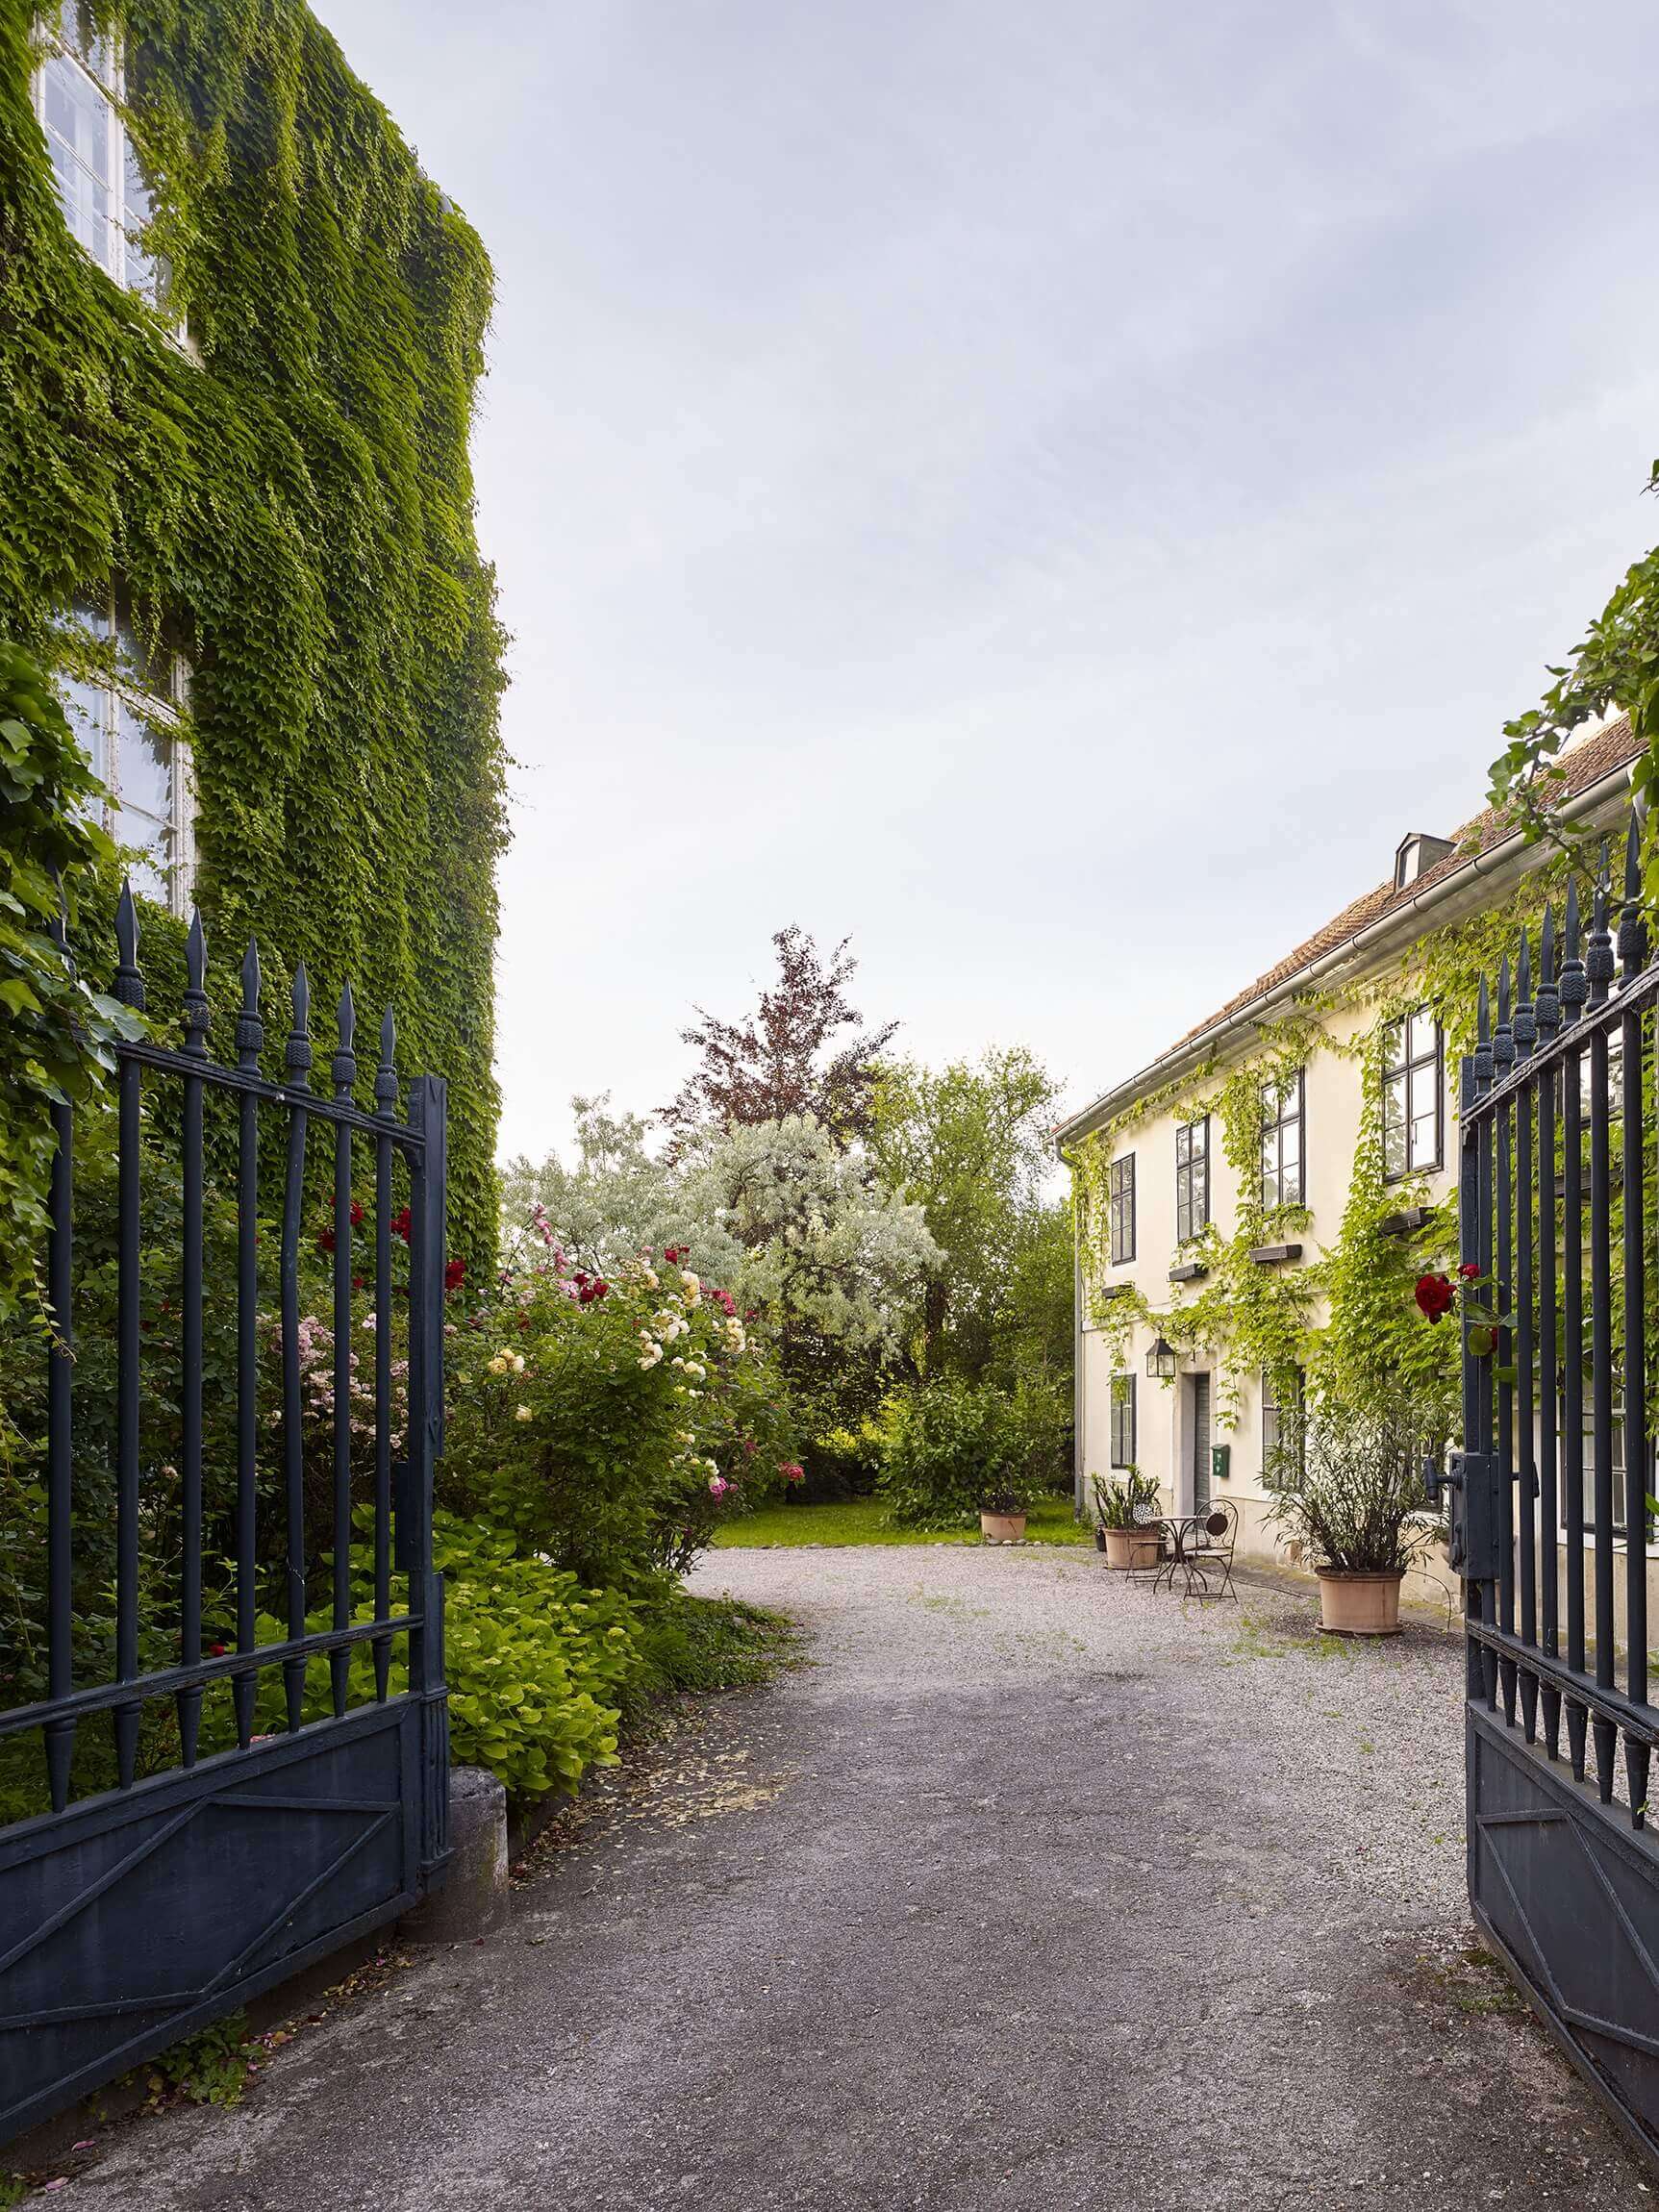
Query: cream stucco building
point(1162, 1172)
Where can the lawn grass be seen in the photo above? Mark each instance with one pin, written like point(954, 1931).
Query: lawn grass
point(868, 1520)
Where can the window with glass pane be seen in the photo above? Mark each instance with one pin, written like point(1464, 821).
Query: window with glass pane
point(1121, 1196)
point(1278, 1471)
point(1123, 1421)
point(103, 190)
point(1621, 1478)
point(1412, 1094)
point(123, 704)
point(1192, 1178)
point(1282, 1142)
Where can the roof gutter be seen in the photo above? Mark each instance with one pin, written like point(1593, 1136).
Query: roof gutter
point(1595, 796)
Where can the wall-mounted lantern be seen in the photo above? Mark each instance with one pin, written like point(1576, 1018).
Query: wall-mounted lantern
point(1162, 1359)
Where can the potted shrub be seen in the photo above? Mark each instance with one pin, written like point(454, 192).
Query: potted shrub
point(1126, 1515)
point(1002, 1517)
point(1352, 1495)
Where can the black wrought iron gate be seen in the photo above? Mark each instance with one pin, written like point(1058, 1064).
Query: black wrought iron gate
point(1558, 1225)
point(230, 1784)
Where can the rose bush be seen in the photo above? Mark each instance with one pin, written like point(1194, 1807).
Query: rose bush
point(610, 1420)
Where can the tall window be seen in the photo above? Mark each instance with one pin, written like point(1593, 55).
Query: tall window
point(107, 201)
point(124, 707)
point(1412, 1093)
point(1123, 1419)
point(1282, 1142)
point(1192, 1178)
point(1621, 1478)
point(1283, 1454)
point(1120, 1195)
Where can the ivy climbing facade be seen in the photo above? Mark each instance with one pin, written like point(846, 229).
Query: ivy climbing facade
point(1293, 1163)
point(241, 338)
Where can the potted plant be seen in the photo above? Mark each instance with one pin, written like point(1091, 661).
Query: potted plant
point(1002, 1517)
point(1128, 1530)
point(1352, 1494)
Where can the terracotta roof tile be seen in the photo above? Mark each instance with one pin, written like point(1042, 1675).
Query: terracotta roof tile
point(1585, 764)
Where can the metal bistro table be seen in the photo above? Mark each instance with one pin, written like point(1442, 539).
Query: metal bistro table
point(1201, 1548)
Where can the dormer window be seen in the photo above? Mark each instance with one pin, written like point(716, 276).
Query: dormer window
point(80, 88)
point(1416, 854)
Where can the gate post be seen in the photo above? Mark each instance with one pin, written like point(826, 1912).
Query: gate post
point(428, 1113)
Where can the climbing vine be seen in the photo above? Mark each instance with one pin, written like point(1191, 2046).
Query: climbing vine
point(290, 494)
point(1346, 1316)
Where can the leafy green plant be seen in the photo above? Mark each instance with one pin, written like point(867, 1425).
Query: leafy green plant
point(539, 1667)
point(953, 1449)
point(1120, 1501)
point(708, 1644)
point(208, 2068)
point(1358, 1503)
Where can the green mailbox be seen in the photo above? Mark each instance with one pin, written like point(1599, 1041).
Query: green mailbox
point(1220, 1462)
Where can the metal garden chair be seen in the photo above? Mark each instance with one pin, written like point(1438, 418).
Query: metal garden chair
point(1204, 1551)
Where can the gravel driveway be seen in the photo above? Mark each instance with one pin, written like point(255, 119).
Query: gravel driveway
point(1030, 1889)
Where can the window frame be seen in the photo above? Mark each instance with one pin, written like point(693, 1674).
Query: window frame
point(1120, 1209)
point(144, 276)
point(1410, 1068)
point(164, 711)
point(1190, 1209)
point(1122, 1439)
point(1273, 1130)
point(1270, 1407)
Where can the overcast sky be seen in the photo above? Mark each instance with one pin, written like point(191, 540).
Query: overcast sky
point(1054, 491)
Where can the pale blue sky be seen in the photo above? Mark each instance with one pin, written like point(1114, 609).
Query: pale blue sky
point(1054, 491)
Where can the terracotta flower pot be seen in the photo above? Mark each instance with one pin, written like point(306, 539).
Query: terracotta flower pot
point(1002, 1527)
point(1359, 1604)
point(1129, 1548)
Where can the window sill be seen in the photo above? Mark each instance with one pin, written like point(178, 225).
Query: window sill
point(1273, 1255)
point(1402, 1223)
point(1188, 1272)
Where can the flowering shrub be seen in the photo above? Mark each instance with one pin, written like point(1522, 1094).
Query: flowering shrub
point(608, 1421)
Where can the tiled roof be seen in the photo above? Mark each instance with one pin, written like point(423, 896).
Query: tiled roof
point(1583, 764)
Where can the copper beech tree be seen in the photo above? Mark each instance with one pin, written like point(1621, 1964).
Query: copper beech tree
point(784, 1059)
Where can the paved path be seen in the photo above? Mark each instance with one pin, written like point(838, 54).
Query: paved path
point(1030, 1892)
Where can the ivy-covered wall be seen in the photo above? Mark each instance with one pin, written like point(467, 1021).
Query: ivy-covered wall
point(1345, 1316)
point(296, 499)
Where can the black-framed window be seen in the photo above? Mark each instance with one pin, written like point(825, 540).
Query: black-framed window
point(1279, 1471)
point(1412, 1100)
point(1621, 1479)
point(1192, 1178)
point(1120, 1197)
point(1282, 1149)
point(1123, 1419)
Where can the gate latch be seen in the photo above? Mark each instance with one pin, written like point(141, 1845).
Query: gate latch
point(1473, 1477)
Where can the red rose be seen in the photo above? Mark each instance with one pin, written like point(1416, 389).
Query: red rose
point(454, 1275)
point(325, 1241)
point(1434, 1295)
point(403, 1224)
point(357, 1212)
point(1469, 1270)
point(215, 1650)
